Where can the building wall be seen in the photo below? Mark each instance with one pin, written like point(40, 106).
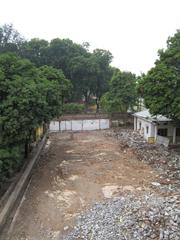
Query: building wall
point(170, 130)
point(142, 125)
point(146, 129)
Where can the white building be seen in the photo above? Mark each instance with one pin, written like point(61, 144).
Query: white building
point(156, 128)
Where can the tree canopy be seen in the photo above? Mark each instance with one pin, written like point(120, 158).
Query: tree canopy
point(161, 85)
point(122, 94)
point(29, 97)
point(10, 39)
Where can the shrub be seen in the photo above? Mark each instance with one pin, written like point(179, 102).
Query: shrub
point(73, 108)
point(10, 161)
point(111, 104)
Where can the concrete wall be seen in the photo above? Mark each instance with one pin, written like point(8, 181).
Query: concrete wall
point(79, 125)
point(142, 124)
point(146, 129)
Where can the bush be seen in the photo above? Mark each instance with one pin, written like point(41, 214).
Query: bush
point(73, 108)
point(111, 104)
point(10, 161)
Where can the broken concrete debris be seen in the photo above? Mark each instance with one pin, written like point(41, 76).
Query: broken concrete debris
point(165, 161)
point(144, 218)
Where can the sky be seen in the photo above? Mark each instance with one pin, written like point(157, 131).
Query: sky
point(132, 30)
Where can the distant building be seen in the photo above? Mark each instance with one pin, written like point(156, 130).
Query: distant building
point(156, 128)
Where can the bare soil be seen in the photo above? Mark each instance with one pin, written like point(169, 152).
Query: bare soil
point(75, 171)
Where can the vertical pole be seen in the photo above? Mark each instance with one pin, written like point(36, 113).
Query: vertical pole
point(155, 132)
point(174, 135)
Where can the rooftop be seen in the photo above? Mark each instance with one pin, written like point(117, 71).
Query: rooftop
point(146, 115)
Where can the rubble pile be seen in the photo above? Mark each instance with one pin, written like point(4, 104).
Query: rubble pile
point(145, 217)
point(166, 161)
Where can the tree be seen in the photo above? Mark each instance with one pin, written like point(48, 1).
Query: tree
point(10, 39)
point(83, 76)
point(64, 85)
point(60, 53)
point(27, 100)
point(122, 94)
point(35, 50)
point(162, 83)
point(103, 74)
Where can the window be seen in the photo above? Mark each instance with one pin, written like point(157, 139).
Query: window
point(147, 129)
point(140, 125)
point(177, 132)
point(162, 132)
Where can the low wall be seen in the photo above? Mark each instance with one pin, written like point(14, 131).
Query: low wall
point(92, 121)
point(79, 125)
point(162, 140)
point(16, 192)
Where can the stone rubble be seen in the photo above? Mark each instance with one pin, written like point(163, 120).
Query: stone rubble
point(166, 161)
point(144, 217)
point(131, 217)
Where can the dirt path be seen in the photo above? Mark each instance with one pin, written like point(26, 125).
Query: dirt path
point(75, 171)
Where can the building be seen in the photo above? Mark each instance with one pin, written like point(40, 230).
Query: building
point(156, 128)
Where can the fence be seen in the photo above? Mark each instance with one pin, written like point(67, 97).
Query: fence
point(79, 125)
point(93, 121)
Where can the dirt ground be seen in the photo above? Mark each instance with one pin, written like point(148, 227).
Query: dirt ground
point(75, 171)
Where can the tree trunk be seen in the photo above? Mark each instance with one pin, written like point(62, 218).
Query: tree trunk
point(26, 149)
point(86, 102)
point(97, 104)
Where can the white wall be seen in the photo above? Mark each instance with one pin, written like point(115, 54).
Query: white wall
point(79, 125)
point(153, 128)
point(54, 126)
point(143, 130)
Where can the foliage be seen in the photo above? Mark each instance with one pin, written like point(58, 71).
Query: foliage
point(52, 74)
point(10, 39)
point(29, 97)
point(122, 94)
point(72, 108)
point(83, 74)
point(103, 73)
point(35, 50)
point(162, 83)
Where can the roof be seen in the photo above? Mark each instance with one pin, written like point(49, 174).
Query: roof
point(146, 115)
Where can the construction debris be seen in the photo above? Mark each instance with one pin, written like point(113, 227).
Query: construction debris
point(165, 161)
point(144, 218)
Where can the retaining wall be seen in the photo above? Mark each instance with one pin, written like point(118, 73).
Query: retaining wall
point(15, 192)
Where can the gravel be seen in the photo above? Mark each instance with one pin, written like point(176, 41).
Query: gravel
point(126, 218)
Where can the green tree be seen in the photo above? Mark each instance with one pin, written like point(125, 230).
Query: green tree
point(64, 86)
point(61, 52)
point(35, 50)
point(10, 39)
point(162, 83)
point(27, 100)
point(83, 73)
point(122, 94)
point(103, 73)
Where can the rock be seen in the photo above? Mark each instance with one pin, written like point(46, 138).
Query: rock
point(66, 228)
point(129, 217)
point(155, 184)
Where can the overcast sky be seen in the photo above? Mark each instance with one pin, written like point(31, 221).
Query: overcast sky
point(132, 30)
